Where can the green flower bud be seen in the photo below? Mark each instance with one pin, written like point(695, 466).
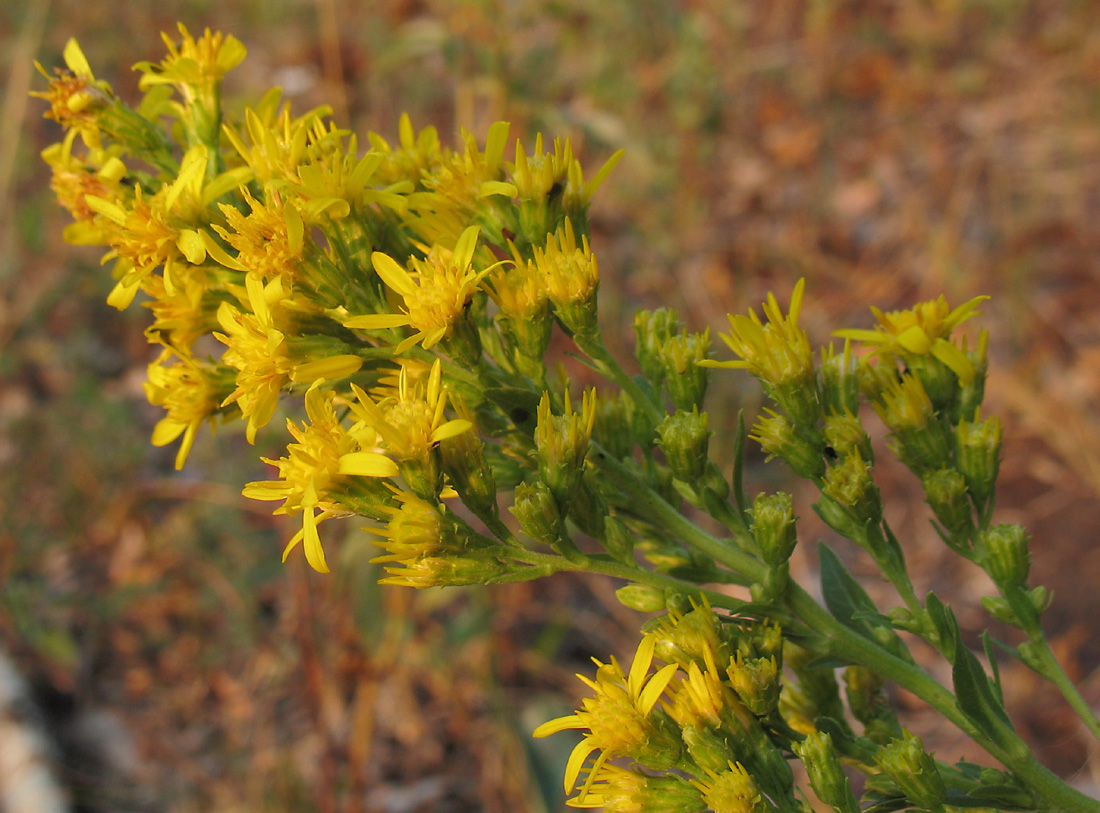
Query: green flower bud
point(914, 771)
point(652, 330)
point(1000, 610)
point(1039, 598)
point(711, 749)
point(616, 426)
point(826, 774)
point(537, 512)
point(779, 438)
point(938, 380)
point(840, 380)
point(875, 377)
point(618, 540)
point(851, 487)
point(773, 527)
point(685, 379)
point(919, 440)
point(470, 473)
point(685, 439)
point(844, 433)
point(562, 445)
point(1004, 554)
point(869, 704)
point(756, 682)
point(945, 491)
point(641, 597)
point(978, 455)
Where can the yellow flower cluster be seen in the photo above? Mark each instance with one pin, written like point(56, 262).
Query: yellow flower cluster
point(701, 726)
point(283, 264)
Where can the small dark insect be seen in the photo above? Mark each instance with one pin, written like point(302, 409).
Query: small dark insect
point(830, 453)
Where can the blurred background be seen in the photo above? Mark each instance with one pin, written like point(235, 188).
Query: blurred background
point(887, 151)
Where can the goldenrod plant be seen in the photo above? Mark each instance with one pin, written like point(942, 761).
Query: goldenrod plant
point(407, 295)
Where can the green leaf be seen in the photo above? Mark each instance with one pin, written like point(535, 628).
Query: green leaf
point(739, 498)
point(943, 619)
point(1003, 797)
point(975, 696)
point(844, 596)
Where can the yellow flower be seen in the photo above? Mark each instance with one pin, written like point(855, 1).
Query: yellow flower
point(426, 546)
point(76, 98)
point(269, 241)
point(191, 393)
point(436, 292)
point(571, 277)
point(732, 791)
point(777, 353)
point(97, 173)
point(317, 474)
point(410, 419)
point(621, 719)
point(278, 143)
point(151, 233)
point(184, 315)
point(627, 790)
point(195, 66)
point(419, 153)
point(266, 361)
point(924, 329)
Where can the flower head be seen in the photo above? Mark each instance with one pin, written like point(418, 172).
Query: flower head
point(321, 472)
point(436, 293)
point(922, 330)
point(190, 391)
point(195, 66)
point(622, 718)
point(267, 360)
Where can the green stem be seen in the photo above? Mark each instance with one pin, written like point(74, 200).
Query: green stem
point(618, 570)
point(651, 506)
point(1047, 665)
point(606, 363)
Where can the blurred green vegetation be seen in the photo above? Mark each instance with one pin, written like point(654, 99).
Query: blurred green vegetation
point(887, 151)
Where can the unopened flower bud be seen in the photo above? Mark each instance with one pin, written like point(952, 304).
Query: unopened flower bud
point(845, 433)
point(914, 771)
point(618, 540)
point(685, 439)
point(851, 487)
point(779, 438)
point(641, 597)
point(945, 491)
point(773, 527)
point(827, 777)
point(470, 473)
point(875, 377)
point(571, 278)
point(939, 381)
point(1004, 554)
point(537, 512)
point(919, 440)
point(756, 681)
point(652, 330)
point(562, 444)
point(685, 379)
point(978, 455)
